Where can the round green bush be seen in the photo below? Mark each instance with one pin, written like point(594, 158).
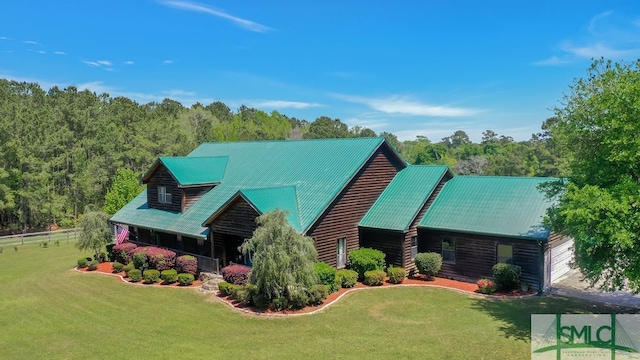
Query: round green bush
point(135, 275)
point(327, 276)
point(82, 262)
point(317, 294)
point(396, 275)
point(128, 268)
point(374, 277)
point(169, 276)
point(507, 276)
point(151, 276)
point(185, 279)
point(365, 259)
point(117, 267)
point(348, 278)
point(225, 288)
point(140, 261)
point(93, 265)
point(428, 264)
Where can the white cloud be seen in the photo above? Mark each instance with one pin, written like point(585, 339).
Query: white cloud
point(128, 62)
point(244, 23)
point(167, 62)
point(594, 20)
point(41, 52)
point(60, 53)
point(31, 42)
point(283, 104)
point(599, 50)
point(179, 92)
point(104, 62)
point(552, 61)
point(4, 38)
point(403, 105)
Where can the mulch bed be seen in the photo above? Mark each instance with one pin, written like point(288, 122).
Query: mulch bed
point(106, 268)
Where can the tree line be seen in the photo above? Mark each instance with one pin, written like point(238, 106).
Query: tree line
point(60, 149)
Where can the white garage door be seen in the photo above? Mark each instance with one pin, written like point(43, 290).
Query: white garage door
point(561, 259)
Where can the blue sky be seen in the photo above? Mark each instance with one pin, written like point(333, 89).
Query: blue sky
point(411, 68)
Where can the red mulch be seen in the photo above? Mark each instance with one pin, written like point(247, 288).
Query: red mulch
point(418, 280)
point(106, 268)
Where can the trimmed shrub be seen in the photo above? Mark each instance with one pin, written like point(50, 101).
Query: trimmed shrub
point(374, 277)
point(486, 286)
point(151, 276)
point(160, 259)
point(280, 303)
point(236, 274)
point(82, 262)
point(140, 261)
point(327, 276)
point(128, 268)
point(187, 264)
point(135, 275)
point(123, 251)
point(396, 275)
point(225, 288)
point(428, 264)
point(365, 259)
point(117, 267)
point(507, 276)
point(348, 278)
point(169, 276)
point(244, 293)
point(317, 294)
point(298, 298)
point(185, 279)
point(101, 257)
point(93, 265)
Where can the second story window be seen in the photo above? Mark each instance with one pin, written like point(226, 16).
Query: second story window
point(164, 197)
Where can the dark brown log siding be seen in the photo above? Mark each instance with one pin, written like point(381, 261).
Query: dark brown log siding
point(238, 219)
point(407, 262)
point(476, 255)
point(389, 242)
point(191, 195)
point(341, 218)
point(162, 177)
point(167, 240)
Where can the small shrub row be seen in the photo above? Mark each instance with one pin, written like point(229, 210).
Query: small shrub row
point(169, 276)
point(374, 277)
point(187, 264)
point(236, 274)
point(507, 276)
point(396, 275)
point(122, 252)
point(327, 275)
point(348, 278)
point(93, 265)
point(134, 275)
point(151, 276)
point(153, 258)
point(185, 279)
point(486, 286)
point(82, 262)
point(366, 259)
point(117, 267)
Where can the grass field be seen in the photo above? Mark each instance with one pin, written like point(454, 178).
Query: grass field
point(49, 311)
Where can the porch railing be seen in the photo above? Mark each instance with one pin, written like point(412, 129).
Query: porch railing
point(205, 263)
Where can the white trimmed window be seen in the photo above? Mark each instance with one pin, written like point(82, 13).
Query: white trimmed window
point(164, 197)
point(448, 250)
point(505, 254)
point(342, 253)
point(414, 247)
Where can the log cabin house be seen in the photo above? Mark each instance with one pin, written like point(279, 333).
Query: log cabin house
point(345, 194)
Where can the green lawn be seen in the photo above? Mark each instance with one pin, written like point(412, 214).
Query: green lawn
point(48, 311)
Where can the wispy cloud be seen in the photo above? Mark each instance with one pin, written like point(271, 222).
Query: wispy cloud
point(104, 64)
point(407, 106)
point(552, 61)
point(41, 52)
point(167, 62)
point(4, 38)
point(128, 62)
point(244, 23)
point(31, 42)
point(178, 92)
point(599, 50)
point(283, 104)
point(60, 53)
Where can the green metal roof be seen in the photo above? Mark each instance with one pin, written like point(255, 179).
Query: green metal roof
point(502, 206)
point(192, 171)
point(401, 201)
point(313, 172)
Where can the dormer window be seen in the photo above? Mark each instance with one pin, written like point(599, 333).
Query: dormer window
point(163, 196)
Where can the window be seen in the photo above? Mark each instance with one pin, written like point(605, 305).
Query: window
point(448, 250)
point(342, 253)
point(505, 254)
point(163, 196)
point(414, 247)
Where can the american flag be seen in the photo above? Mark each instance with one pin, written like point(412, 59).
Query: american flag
point(123, 233)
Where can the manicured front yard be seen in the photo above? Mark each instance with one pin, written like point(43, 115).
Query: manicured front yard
point(49, 311)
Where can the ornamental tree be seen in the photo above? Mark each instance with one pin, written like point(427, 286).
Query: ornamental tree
point(597, 127)
point(283, 259)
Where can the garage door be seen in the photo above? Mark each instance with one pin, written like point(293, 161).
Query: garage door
point(561, 259)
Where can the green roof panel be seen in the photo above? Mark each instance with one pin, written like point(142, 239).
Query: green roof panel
point(268, 199)
point(315, 171)
point(191, 171)
point(400, 202)
point(491, 205)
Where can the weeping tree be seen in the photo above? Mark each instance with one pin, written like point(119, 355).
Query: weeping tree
point(283, 259)
point(94, 233)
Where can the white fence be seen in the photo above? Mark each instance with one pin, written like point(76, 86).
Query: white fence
point(65, 235)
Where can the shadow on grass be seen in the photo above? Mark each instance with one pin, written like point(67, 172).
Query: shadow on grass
point(515, 314)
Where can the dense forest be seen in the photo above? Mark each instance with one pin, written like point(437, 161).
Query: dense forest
point(60, 149)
